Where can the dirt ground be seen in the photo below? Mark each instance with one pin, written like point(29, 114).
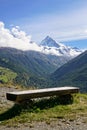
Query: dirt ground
point(61, 124)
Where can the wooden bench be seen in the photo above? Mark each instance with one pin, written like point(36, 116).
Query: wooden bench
point(30, 94)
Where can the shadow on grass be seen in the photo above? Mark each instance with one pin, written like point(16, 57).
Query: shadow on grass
point(34, 105)
point(12, 112)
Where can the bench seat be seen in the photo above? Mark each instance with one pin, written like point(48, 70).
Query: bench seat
point(38, 93)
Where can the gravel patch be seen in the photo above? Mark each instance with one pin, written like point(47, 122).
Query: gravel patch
point(78, 124)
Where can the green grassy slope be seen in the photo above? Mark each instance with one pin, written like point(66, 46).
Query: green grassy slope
point(7, 75)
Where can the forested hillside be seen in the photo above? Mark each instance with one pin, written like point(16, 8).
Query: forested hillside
point(31, 68)
point(73, 73)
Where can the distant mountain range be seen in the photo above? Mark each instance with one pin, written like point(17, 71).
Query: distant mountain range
point(33, 68)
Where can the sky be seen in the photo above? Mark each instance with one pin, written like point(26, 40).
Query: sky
point(63, 20)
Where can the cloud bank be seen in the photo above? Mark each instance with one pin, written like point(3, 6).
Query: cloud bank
point(15, 38)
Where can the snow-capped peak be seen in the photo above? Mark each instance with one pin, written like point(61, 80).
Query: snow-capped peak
point(50, 46)
point(48, 41)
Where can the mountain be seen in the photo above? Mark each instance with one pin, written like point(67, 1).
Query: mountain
point(50, 46)
point(48, 41)
point(31, 67)
point(73, 73)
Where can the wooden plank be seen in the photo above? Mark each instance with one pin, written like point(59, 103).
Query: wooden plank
point(30, 94)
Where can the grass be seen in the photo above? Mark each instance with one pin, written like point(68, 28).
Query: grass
point(45, 110)
point(6, 75)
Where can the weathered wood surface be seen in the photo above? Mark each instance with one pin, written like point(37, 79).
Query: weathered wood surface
point(30, 94)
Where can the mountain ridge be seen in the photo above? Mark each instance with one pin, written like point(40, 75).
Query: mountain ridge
point(72, 73)
point(50, 46)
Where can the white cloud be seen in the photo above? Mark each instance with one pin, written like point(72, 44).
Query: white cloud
point(15, 38)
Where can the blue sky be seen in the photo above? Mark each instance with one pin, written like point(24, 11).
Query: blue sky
point(63, 20)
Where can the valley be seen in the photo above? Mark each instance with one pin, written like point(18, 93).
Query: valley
point(55, 66)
